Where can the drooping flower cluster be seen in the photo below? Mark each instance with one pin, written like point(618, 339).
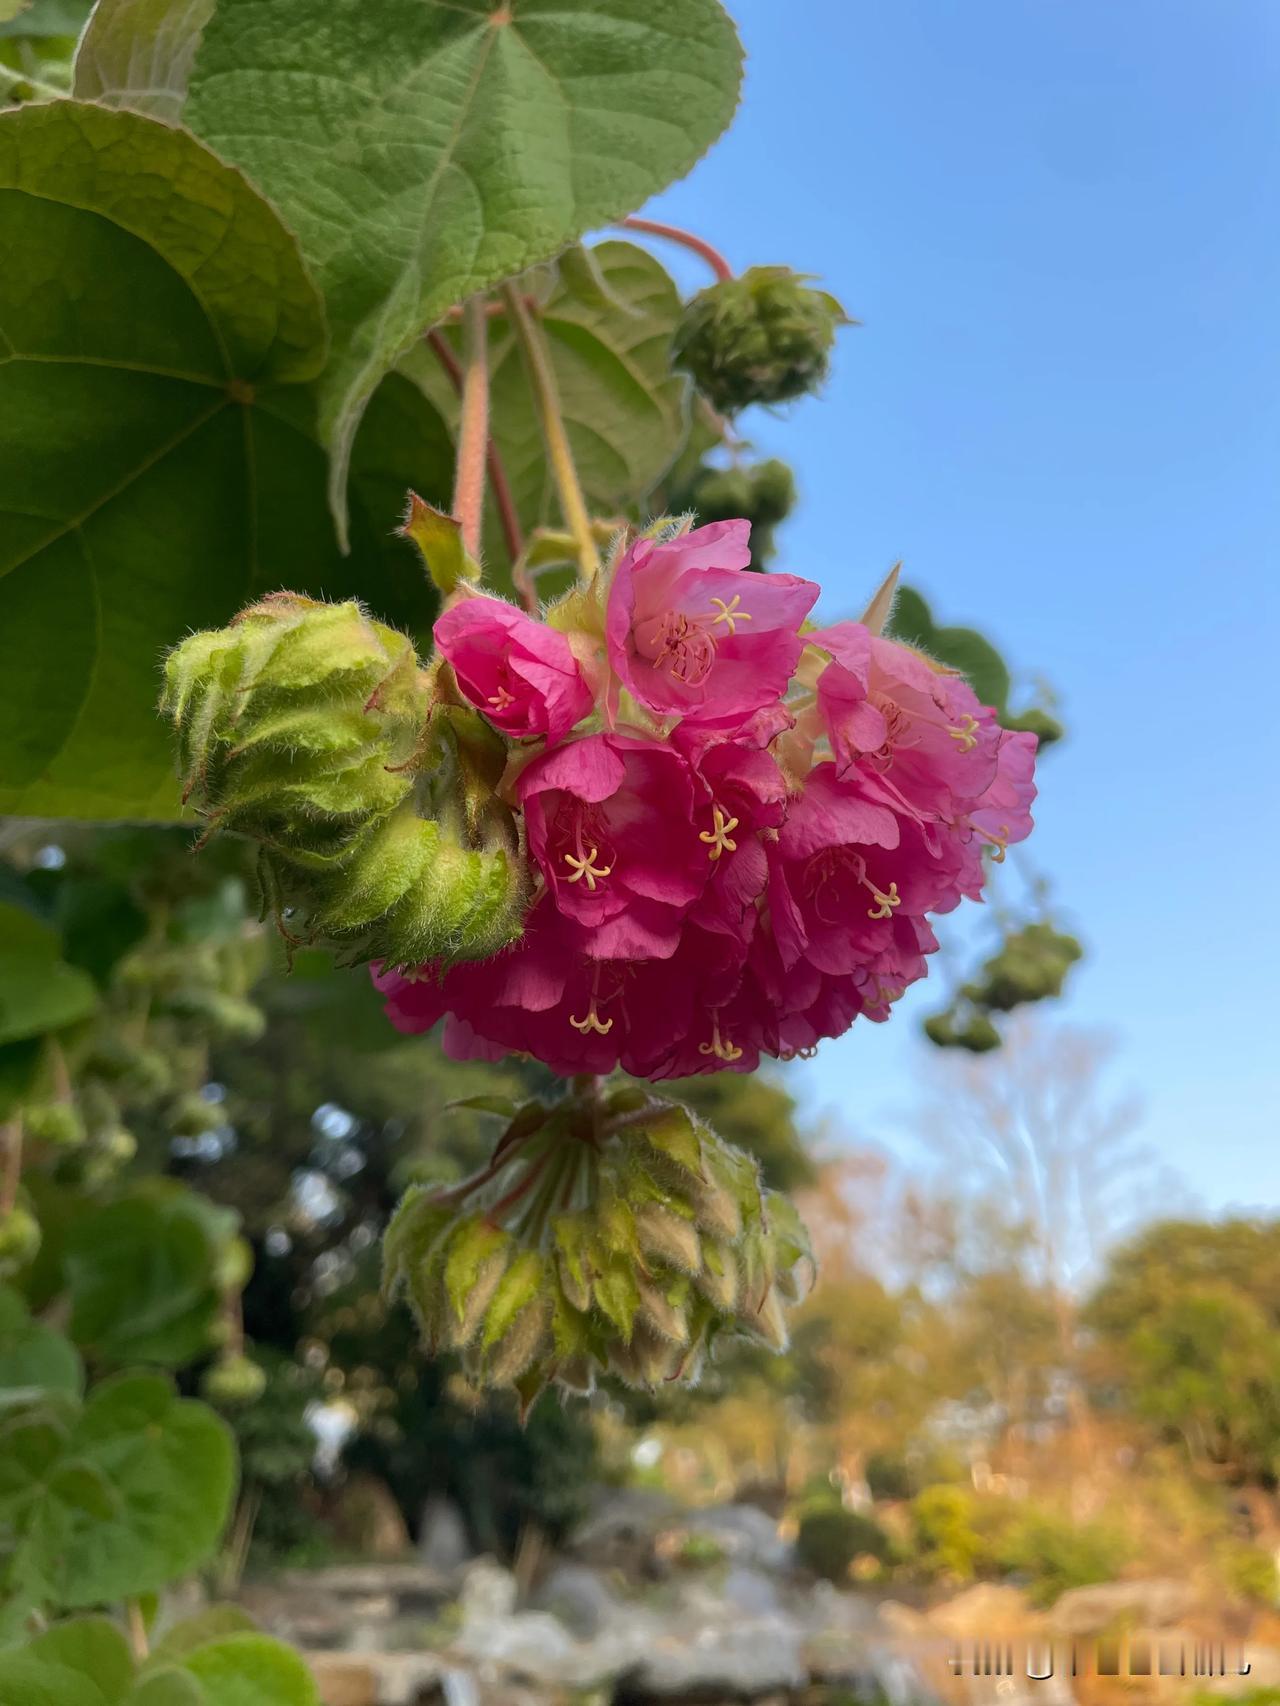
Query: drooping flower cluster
point(737, 824)
point(611, 1235)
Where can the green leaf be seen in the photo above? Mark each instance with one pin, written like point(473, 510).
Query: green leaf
point(170, 1462)
point(167, 1687)
point(158, 459)
point(33, 1356)
point(85, 1662)
point(961, 649)
point(110, 67)
point(143, 1279)
point(212, 1624)
point(608, 315)
point(251, 1670)
point(39, 992)
point(453, 145)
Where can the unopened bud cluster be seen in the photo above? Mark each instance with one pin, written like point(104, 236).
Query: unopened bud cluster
point(314, 730)
point(621, 1237)
point(764, 337)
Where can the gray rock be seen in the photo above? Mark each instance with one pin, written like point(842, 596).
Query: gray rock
point(744, 1533)
point(488, 1592)
point(576, 1594)
point(443, 1544)
point(1155, 1604)
point(750, 1591)
point(745, 1658)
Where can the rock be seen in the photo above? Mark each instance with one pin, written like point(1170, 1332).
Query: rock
point(619, 1532)
point(744, 1658)
point(389, 1679)
point(987, 1609)
point(343, 1682)
point(488, 1592)
point(443, 1544)
point(367, 1519)
point(751, 1592)
point(1155, 1604)
point(408, 1583)
point(576, 1595)
point(742, 1533)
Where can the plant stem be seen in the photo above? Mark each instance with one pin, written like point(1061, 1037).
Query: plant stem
point(675, 234)
point(543, 381)
point(22, 80)
point(473, 428)
point(498, 482)
point(137, 1630)
point(11, 1163)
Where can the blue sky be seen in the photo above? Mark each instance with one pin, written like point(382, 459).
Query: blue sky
point(1057, 223)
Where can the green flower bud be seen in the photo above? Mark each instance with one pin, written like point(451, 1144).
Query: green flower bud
point(57, 1123)
point(19, 1239)
point(673, 1243)
point(233, 1382)
point(765, 337)
point(297, 720)
point(191, 1116)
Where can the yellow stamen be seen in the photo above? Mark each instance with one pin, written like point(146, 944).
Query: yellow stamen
point(885, 903)
point(966, 734)
point(718, 837)
point(722, 1047)
point(587, 868)
point(999, 843)
point(729, 613)
point(592, 1022)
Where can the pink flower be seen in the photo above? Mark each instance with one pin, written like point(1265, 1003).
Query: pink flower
point(610, 821)
point(757, 868)
point(693, 633)
point(520, 673)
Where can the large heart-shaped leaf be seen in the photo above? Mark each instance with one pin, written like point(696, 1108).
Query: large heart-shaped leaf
point(158, 457)
point(117, 1501)
point(429, 148)
point(251, 1670)
point(608, 315)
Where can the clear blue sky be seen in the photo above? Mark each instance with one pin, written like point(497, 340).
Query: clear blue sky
point(1057, 219)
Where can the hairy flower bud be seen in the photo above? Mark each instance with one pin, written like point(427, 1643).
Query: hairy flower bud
point(313, 729)
point(595, 1243)
point(765, 337)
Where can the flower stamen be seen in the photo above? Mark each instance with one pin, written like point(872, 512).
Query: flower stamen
point(501, 699)
point(729, 613)
point(966, 735)
point(592, 1022)
point(722, 1047)
point(586, 867)
point(999, 842)
point(717, 837)
point(885, 903)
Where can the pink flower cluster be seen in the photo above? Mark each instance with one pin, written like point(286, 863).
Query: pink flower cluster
point(737, 830)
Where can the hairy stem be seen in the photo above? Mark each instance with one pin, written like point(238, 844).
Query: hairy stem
point(473, 428)
point(10, 1163)
point(546, 396)
point(675, 234)
point(499, 485)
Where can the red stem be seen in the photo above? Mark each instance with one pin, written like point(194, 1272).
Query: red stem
point(473, 429)
point(675, 234)
point(498, 481)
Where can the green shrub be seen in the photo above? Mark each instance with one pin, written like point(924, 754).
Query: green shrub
point(945, 1532)
point(1054, 1554)
point(829, 1539)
